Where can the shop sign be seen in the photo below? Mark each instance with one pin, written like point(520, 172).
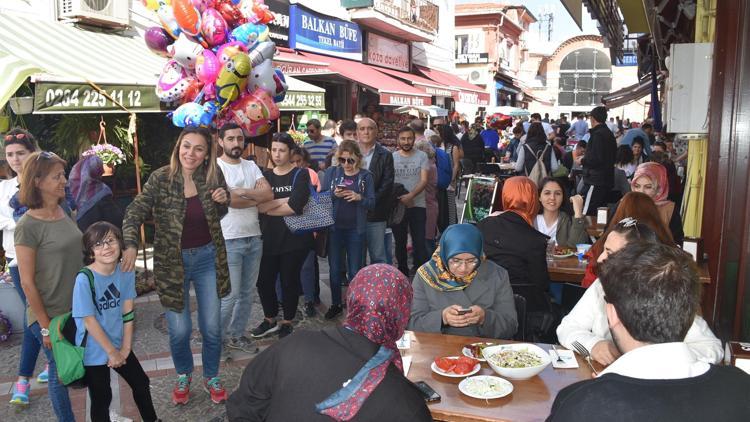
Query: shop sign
point(403, 100)
point(472, 58)
point(310, 31)
point(81, 98)
point(293, 68)
point(388, 53)
point(279, 28)
point(469, 97)
point(628, 59)
point(438, 92)
point(295, 100)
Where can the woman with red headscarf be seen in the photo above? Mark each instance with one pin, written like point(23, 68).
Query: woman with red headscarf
point(352, 371)
point(511, 241)
point(651, 178)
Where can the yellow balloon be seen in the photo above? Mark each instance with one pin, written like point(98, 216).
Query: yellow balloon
point(154, 4)
point(232, 79)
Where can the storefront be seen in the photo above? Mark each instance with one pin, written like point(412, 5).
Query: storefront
point(468, 99)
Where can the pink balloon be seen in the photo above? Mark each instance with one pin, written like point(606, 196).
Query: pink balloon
point(214, 27)
point(229, 50)
point(254, 112)
point(207, 67)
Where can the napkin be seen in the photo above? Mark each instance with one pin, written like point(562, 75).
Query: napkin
point(404, 342)
point(406, 360)
point(568, 357)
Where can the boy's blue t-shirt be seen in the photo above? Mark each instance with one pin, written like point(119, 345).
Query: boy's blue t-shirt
point(111, 291)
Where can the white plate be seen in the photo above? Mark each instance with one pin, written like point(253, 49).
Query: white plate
point(505, 387)
point(438, 371)
point(467, 352)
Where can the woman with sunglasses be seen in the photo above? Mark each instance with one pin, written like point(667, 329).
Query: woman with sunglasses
point(459, 292)
point(587, 322)
point(48, 251)
point(353, 195)
point(19, 144)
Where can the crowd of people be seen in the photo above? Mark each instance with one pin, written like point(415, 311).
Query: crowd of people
point(220, 226)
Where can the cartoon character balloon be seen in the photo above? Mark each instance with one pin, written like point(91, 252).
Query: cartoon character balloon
point(264, 77)
point(187, 17)
point(214, 27)
point(157, 40)
point(253, 112)
point(167, 19)
point(279, 97)
point(207, 67)
point(194, 114)
point(185, 51)
point(230, 12)
point(250, 34)
point(256, 11)
point(261, 52)
point(232, 79)
point(229, 50)
point(173, 82)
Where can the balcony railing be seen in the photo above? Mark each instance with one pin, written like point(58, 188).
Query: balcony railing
point(421, 14)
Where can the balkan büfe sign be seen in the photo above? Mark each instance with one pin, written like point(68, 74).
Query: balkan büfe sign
point(310, 31)
point(403, 100)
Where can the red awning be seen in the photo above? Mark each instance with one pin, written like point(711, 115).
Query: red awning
point(392, 91)
point(295, 64)
point(465, 91)
point(428, 86)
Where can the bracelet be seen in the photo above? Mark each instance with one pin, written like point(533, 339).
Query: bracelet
point(128, 317)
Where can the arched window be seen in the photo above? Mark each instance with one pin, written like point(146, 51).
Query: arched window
point(585, 76)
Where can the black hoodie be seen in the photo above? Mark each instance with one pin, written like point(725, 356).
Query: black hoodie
point(599, 160)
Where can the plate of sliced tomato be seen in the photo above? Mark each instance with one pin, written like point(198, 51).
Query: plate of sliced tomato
point(455, 366)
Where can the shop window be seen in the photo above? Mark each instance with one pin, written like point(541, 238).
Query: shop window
point(462, 44)
point(585, 76)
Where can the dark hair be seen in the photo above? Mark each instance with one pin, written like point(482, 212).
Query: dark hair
point(36, 167)
point(417, 125)
point(19, 136)
point(624, 155)
point(96, 233)
point(209, 164)
point(536, 116)
point(229, 126)
point(582, 144)
point(659, 144)
point(298, 150)
point(647, 126)
point(661, 158)
point(541, 188)
point(406, 129)
point(599, 114)
point(348, 124)
point(638, 140)
point(314, 123)
point(657, 299)
point(518, 130)
point(536, 133)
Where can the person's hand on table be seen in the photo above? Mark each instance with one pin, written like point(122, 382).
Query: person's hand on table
point(605, 352)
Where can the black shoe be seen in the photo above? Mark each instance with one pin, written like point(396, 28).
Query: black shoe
point(309, 309)
point(333, 311)
point(265, 328)
point(285, 330)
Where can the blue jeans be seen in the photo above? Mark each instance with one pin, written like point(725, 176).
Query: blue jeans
point(352, 241)
point(58, 393)
point(29, 345)
point(376, 241)
point(243, 258)
point(200, 267)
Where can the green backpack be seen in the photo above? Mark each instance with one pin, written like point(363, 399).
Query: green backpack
point(62, 334)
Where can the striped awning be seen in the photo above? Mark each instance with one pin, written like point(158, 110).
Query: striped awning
point(53, 51)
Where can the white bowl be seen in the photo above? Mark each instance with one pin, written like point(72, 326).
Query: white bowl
point(517, 373)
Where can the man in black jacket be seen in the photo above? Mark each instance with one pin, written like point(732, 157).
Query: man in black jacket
point(598, 163)
point(379, 162)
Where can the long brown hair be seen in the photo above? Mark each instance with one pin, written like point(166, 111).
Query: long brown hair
point(353, 149)
point(642, 208)
point(209, 165)
point(36, 167)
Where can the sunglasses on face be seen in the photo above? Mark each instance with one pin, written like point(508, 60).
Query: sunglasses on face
point(46, 155)
point(350, 161)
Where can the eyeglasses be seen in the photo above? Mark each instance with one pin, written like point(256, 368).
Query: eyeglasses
point(457, 262)
point(9, 138)
point(106, 242)
point(350, 161)
point(47, 155)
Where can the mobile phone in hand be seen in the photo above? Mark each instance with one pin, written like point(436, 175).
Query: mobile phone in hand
point(464, 311)
point(428, 393)
point(341, 186)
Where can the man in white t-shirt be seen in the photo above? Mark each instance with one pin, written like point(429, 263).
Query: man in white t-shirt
point(241, 229)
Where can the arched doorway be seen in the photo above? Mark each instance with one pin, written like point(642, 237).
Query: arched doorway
point(585, 76)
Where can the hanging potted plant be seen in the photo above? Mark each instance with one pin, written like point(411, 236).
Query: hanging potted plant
point(109, 154)
point(23, 102)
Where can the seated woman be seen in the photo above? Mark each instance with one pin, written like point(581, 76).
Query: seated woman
point(361, 355)
point(512, 242)
point(92, 196)
point(556, 223)
point(634, 205)
point(651, 178)
point(587, 322)
point(457, 279)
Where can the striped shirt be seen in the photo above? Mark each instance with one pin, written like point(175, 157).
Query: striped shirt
point(319, 150)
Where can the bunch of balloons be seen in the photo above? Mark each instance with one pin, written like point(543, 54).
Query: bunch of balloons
point(220, 65)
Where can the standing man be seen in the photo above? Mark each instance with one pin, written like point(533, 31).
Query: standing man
point(379, 162)
point(580, 128)
point(418, 127)
point(598, 163)
point(348, 130)
point(317, 145)
point(247, 188)
point(411, 169)
point(563, 126)
point(650, 307)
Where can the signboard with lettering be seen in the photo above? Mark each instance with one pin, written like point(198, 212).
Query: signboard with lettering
point(438, 92)
point(279, 28)
point(311, 31)
point(472, 58)
point(627, 60)
point(295, 100)
point(52, 97)
point(295, 68)
point(386, 52)
point(471, 97)
point(403, 100)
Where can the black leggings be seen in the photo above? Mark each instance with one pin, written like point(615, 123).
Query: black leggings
point(287, 267)
point(97, 379)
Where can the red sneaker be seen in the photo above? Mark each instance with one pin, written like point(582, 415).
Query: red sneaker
point(181, 391)
point(214, 388)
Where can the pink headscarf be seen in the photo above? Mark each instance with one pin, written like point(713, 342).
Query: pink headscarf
point(658, 175)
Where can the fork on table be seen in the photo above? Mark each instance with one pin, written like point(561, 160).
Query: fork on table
point(586, 355)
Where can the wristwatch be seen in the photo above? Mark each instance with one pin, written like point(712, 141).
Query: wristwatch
point(45, 332)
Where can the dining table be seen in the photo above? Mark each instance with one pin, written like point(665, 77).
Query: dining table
point(571, 270)
point(531, 399)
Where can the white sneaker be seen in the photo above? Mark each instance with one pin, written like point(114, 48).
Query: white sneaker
point(114, 417)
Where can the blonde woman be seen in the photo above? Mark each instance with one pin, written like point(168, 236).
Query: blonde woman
point(353, 195)
point(187, 198)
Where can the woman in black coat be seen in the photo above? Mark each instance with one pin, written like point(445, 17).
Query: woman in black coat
point(536, 145)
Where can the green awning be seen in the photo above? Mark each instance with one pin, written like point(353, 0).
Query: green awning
point(55, 52)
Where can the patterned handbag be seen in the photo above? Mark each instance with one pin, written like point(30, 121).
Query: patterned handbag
point(316, 215)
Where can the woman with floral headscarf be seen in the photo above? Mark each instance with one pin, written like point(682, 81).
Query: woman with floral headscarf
point(92, 196)
point(512, 242)
point(457, 279)
point(352, 371)
point(651, 178)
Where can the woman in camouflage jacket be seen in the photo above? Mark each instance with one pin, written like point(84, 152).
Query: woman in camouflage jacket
point(187, 198)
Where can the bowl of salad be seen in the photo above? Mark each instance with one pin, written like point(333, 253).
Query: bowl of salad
point(517, 360)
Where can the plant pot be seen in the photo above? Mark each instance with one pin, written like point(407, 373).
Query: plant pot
point(4, 124)
point(22, 105)
point(109, 170)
